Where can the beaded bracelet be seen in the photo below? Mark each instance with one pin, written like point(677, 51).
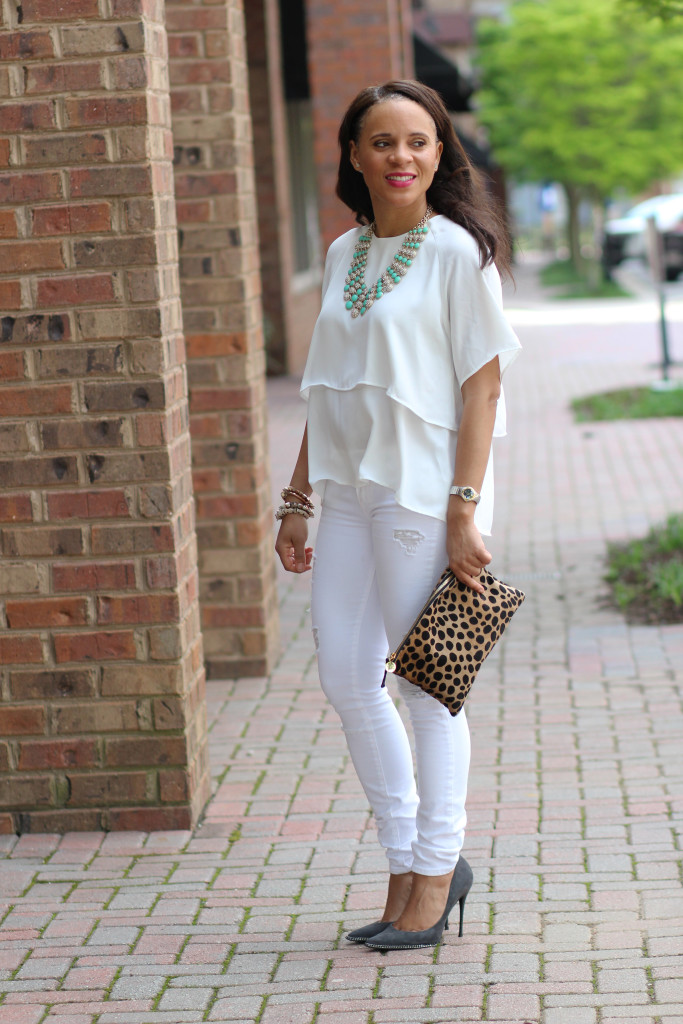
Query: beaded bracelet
point(308, 509)
point(297, 494)
point(290, 509)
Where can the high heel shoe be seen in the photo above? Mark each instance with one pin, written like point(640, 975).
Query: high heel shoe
point(367, 931)
point(393, 938)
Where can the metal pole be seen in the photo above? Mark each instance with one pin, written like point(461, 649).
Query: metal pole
point(656, 260)
point(666, 358)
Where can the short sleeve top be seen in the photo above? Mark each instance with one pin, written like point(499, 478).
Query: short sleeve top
point(383, 389)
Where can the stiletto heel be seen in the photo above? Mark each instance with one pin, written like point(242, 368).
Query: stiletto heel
point(393, 938)
point(462, 913)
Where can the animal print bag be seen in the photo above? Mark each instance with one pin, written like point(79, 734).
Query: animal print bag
point(453, 635)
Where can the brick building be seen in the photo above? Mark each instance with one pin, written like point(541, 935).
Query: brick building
point(164, 172)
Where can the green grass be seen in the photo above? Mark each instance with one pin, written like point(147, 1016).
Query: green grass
point(646, 575)
point(603, 290)
point(630, 404)
point(562, 274)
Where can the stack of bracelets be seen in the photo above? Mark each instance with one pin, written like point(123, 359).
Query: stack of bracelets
point(295, 503)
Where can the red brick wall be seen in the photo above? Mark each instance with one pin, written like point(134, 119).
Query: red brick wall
point(367, 45)
point(101, 675)
point(221, 294)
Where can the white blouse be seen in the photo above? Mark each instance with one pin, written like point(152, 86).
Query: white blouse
point(383, 390)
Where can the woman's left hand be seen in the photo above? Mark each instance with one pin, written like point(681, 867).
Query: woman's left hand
point(467, 553)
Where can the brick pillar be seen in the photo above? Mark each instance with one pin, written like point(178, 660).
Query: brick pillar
point(221, 293)
point(101, 674)
point(341, 63)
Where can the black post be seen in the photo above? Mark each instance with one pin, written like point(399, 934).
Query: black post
point(656, 260)
point(666, 358)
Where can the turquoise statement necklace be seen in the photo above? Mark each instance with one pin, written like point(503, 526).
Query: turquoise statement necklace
point(358, 296)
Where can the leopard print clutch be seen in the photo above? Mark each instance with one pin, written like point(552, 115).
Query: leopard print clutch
point(453, 635)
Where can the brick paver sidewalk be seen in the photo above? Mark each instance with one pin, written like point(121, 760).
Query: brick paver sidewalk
point(575, 802)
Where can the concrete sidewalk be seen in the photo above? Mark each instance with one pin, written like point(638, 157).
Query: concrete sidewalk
point(576, 797)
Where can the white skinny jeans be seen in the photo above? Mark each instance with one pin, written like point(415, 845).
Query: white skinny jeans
point(375, 565)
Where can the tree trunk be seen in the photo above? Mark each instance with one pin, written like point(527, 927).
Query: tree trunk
point(598, 237)
point(573, 199)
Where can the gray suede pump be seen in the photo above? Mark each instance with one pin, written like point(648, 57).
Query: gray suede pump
point(367, 931)
point(392, 938)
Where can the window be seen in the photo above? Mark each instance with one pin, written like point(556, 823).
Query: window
point(302, 177)
point(303, 186)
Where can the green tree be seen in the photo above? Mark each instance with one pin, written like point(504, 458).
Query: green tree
point(657, 8)
point(582, 93)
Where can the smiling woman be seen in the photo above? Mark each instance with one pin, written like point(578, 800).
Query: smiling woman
point(404, 395)
point(455, 188)
point(398, 154)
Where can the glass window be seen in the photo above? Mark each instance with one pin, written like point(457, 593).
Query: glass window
point(303, 186)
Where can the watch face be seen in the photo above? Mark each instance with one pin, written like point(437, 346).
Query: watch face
point(468, 493)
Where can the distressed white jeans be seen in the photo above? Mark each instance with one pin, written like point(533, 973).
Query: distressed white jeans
point(375, 565)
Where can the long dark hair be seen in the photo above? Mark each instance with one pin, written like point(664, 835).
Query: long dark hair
point(457, 190)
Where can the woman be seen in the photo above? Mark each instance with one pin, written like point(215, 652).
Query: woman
point(403, 389)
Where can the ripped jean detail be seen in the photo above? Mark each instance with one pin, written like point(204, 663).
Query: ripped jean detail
point(409, 540)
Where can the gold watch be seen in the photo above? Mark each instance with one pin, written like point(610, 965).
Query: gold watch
point(467, 494)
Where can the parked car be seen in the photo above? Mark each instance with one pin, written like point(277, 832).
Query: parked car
point(625, 237)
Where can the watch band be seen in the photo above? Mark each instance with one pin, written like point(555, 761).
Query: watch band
point(467, 494)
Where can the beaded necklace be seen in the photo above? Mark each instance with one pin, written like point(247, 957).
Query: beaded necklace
point(358, 296)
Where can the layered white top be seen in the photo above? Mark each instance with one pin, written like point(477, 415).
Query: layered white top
point(383, 390)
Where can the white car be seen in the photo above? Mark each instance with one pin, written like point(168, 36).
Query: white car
point(625, 236)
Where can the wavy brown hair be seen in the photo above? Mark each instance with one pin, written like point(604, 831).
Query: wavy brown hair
point(457, 190)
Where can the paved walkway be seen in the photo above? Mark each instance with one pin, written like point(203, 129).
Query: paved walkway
point(576, 795)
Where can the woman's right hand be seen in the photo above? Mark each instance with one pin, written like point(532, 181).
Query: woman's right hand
point(291, 544)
